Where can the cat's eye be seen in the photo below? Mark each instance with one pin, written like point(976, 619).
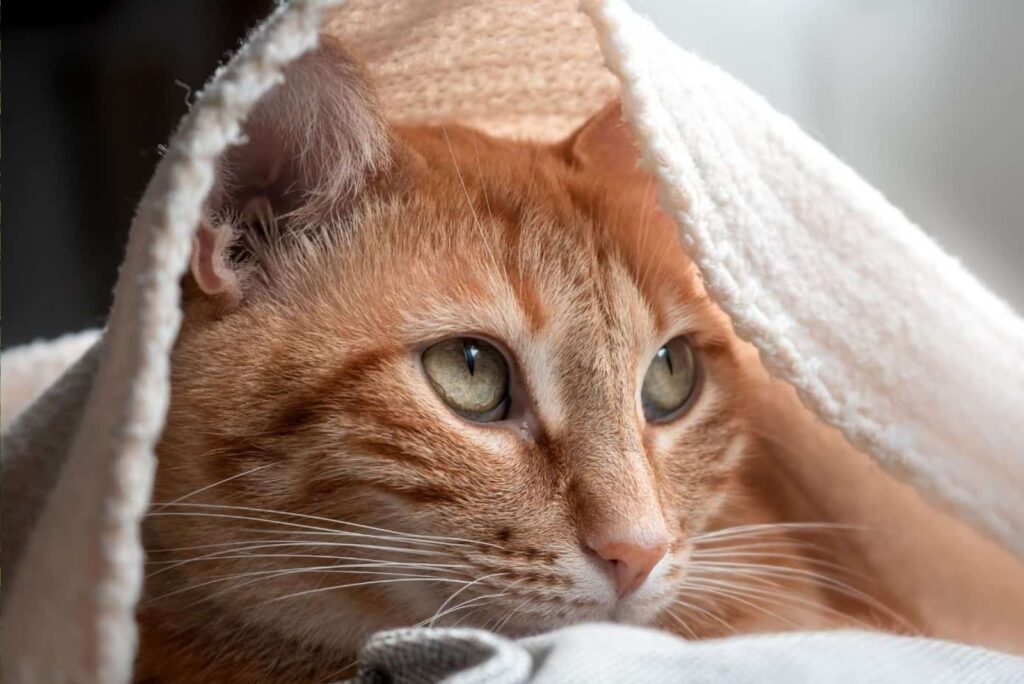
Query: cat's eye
point(471, 376)
point(671, 381)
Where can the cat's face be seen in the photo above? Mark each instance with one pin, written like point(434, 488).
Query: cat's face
point(492, 392)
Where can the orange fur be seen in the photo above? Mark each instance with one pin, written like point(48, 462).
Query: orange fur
point(300, 403)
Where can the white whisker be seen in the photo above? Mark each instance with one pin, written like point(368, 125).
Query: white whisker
point(762, 572)
point(758, 544)
point(402, 536)
point(469, 202)
point(215, 484)
point(816, 562)
point(272, 574)
point(227, 555)
point(706, 613)
point(764, 528)
point(508, 617)
point(362, 584)
point(465, 604)
point(735, 596)
point(430, 622)
point(239, 546)
point(376, 547)
point(682, 622)
point(778, 596)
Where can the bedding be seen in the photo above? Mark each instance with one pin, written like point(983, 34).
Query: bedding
point(616, 653)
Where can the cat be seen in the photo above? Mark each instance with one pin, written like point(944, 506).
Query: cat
point(430, 377)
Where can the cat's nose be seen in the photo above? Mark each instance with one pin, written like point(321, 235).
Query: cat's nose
point(631, 563)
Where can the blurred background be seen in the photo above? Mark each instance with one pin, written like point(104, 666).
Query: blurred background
point(925, 98)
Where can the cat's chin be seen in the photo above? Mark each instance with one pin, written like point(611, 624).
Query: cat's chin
point(641, 615)
point(641, 618)
point(639, 611)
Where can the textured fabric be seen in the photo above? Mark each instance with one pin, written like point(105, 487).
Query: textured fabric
point(28, 370)
point(70, 615)
point(883, 335)
point(48, 430)
point(603, 653)
point(455, 656)
point(793, 245)
point(520, 68)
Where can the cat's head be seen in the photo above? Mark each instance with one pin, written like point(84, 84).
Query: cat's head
point(425, 373)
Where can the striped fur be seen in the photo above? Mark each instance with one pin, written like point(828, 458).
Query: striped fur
point(303, 395)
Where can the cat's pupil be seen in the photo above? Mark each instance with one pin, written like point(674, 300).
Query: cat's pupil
point(666, 356)
point(471, 351)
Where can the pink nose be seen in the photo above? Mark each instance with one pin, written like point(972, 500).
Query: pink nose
point(631, 563)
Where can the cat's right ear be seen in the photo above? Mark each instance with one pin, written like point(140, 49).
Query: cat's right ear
point(606, 142)
point(311, 146)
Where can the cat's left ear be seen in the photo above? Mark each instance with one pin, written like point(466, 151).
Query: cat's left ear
point(311, 148)
point(606, 142)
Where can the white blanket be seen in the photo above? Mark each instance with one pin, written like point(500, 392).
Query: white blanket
point(883, 335)
point(615, 653)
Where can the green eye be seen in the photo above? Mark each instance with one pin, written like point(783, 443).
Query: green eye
point(670, 381)
point(471, 376)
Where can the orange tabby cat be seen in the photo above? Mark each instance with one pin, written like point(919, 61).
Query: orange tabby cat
point(430, 377)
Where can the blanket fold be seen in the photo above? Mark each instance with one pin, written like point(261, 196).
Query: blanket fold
point(599, 653)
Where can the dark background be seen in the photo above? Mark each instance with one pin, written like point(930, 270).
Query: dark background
point(90, 91)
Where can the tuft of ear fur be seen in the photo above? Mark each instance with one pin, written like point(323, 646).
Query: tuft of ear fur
point(606, 142)
point(209, 263)
point(311, 147)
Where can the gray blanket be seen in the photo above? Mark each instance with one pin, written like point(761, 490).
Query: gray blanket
point(599, 653)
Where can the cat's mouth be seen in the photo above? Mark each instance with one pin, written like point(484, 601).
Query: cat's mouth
point(592, 596)
point(627, 612)
point(642, 607)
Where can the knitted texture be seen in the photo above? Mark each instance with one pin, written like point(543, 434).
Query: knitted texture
point(608, 654)
point(516, 68)
point(883, 335)
point(29, 369)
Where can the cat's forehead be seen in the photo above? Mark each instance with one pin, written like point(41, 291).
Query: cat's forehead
point(521, 224)
point(441, 272)
point(509, 241)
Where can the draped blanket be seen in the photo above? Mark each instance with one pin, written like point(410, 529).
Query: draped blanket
point(898, 356)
